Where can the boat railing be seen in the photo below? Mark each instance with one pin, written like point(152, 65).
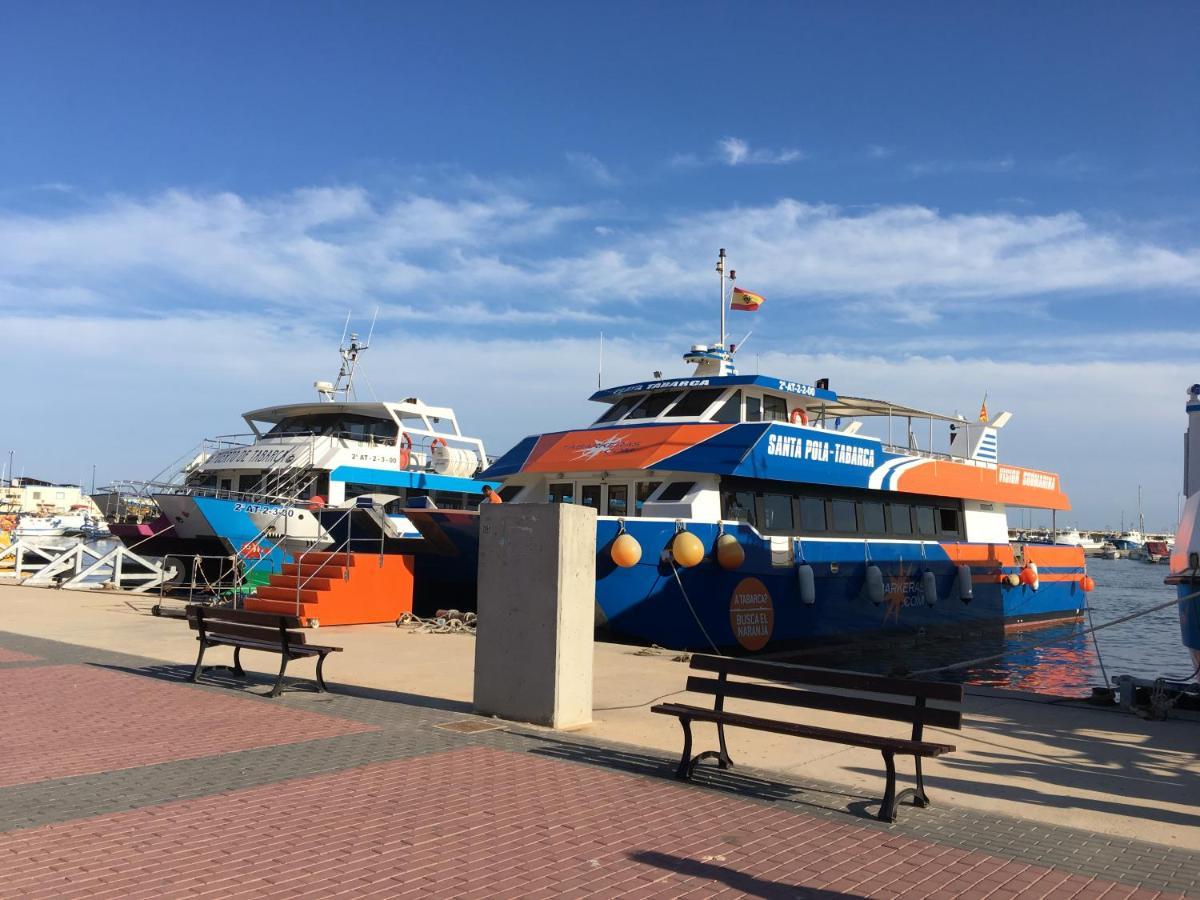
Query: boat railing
point(903, 450)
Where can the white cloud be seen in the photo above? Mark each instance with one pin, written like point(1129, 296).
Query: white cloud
point(734, 151)
point(593, 169)
point(314, 249)
point(879, 151)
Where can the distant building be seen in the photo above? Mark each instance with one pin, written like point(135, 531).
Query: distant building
point(32, 495)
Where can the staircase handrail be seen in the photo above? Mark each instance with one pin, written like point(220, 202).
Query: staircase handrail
point(301, 584)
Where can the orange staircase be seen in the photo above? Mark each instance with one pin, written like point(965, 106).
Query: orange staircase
point(339, 589)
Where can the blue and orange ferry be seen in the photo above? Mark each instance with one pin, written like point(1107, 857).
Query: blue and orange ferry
point(746, 512)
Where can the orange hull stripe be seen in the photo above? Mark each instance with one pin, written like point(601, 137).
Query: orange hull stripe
point(615, 448)
point(941, 478)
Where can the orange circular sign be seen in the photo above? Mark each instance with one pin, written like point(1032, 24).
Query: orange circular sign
point(751, 614)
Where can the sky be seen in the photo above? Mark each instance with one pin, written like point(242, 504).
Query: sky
point(938, 201)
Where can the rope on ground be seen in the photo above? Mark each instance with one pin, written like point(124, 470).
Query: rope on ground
point(1070, 637)
point(447, 621)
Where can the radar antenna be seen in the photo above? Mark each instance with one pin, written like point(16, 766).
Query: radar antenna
point(348, 349)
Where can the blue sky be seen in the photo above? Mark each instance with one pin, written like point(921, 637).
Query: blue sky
point(936, 200)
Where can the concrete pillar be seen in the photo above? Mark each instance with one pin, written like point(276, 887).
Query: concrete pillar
point(537, 590)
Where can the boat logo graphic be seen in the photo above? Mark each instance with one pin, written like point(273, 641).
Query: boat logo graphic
point(615, 444)
point(751, 614)
point(899, 591)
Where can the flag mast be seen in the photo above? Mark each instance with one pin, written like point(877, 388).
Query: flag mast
point(721, 274)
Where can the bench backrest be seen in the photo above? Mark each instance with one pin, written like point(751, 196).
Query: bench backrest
point(897, 699)
point(240, 623)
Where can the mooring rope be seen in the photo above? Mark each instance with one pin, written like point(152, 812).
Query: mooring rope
point(1070, 637)
point(686, 600)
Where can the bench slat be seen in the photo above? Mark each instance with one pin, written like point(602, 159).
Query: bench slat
point(815, 732)
point(857, 706)
point(855, 681)
point(241, 616)
point(269, 646)
point(253, 632)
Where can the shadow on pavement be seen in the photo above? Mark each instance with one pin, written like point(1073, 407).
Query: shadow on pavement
point(739, 881)
point(734, 782)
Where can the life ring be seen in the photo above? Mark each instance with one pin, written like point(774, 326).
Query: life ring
point(437, 441)
point(405, 444)
point(799, 416)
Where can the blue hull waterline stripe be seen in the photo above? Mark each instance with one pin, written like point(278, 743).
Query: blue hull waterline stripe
point(413, 480)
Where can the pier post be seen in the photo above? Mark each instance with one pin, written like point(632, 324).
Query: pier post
point(537, 589)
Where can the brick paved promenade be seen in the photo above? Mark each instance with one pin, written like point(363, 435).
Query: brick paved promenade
point(119, 779)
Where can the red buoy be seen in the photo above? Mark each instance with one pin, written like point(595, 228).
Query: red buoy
point(1087, 583)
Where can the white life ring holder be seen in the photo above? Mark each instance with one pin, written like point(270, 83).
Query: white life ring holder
point(405, 445)
point(799, 416)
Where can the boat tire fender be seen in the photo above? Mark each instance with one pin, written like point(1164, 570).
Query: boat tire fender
point(929, 588)
point(966, 589)
point(873, 585)
point(807, 582)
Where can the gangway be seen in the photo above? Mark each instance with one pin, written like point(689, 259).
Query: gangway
point(81, 568)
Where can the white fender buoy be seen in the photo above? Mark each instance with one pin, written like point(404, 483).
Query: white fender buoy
point(929, 588)
point(966, 588)
point(808, 584)
point(874, 585)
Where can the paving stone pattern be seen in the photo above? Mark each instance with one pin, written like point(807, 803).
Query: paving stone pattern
point(70, 720)
point(403, 807)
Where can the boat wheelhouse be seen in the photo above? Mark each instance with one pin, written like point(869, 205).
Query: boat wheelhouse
point(839, 532)
point(259, 495)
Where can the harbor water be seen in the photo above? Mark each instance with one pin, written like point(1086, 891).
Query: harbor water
point(1058, 659)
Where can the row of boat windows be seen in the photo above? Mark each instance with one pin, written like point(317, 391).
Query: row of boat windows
point(789, 514)
point(694, 403)
point(611, 499)
point(349, 425)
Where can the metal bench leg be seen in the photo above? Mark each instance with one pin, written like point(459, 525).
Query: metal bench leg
point(891, 799)
point(199, 664)
point(320, 679)
point(278, 689)
point(920, 798)
point(237, 663)
point(723, 760)
point(684, 772)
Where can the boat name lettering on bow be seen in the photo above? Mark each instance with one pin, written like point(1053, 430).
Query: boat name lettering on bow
point(250, 455)
point(1026, 478)
point(820, 451)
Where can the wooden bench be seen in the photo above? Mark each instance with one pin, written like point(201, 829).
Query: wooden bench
point(242, 630)
point(896, 699)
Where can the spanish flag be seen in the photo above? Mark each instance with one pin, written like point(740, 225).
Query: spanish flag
point(747, 301)
point(983, 413)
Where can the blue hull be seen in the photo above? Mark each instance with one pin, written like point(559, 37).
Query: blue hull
point(1189, 619)
point(647, 603)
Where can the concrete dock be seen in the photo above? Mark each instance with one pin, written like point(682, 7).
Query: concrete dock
point(1041, 798)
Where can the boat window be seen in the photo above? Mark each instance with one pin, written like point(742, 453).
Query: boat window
point(562, 493)
point(753, 409)
point(618, 500)
point(948, 521)
point(774, 409)
point(654, 404)
point(872, 516)
point(739, 506)
point(901, 516)
point(925, 520)
point(844, 516)
point(509, 492)
point(731, 409)
point(777, 512)
point(622, 406)
point(351, 425)
point(812, 514)
point(694, 403)
point(448, 499)
point(226, 484)
point(675, 492)
point(644, 490)
point(589, 495)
